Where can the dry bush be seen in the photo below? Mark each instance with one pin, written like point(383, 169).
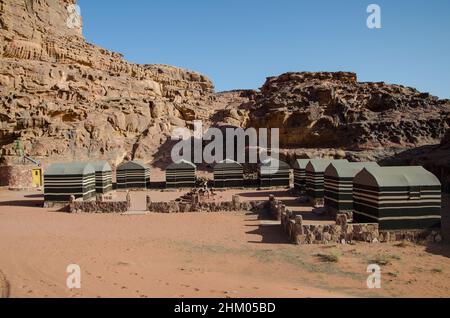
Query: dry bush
point(384, 259)
point(329, 258)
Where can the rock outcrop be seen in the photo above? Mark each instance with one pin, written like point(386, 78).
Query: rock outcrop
point(63, 97)
point(435, 158)
point(334, 110)
point(445, 143)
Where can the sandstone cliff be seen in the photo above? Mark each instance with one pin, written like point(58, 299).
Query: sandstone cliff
point(320, 110)
point(435, 158)
point(63, 97)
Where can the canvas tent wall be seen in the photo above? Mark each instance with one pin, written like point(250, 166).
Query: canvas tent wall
point(338, 181)
point(133, 175)
point(228, 174)
point(315, 171)
point(62, 180)
point(103, 177)
point(300, 173)
point(181, 175)
point(274, 173)
point(397, 198)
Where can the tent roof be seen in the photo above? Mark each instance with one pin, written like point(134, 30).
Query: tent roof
point(342, 169)
point(227, 162)
point(396, 177)
point(101, 166)
point(132, 165)
point(301, 163)
point(271, 162)
point(320, 165)
point(71, 168)
point(182, 164)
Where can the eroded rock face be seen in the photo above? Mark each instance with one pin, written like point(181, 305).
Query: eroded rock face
point(63, 97)
point(445, 143)
point(435, 158)
point(66, 99)
point(334, 110)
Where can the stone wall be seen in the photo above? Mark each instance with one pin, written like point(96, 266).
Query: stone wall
point(430, 236)
point(276, 208)
point(331, 212)
point(188, 207)
point(342, 231)
point(98, 206)
point(17, 177)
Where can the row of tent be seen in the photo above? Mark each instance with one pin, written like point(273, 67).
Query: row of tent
point(84, 180)
point(229, 174)
point(394, 197)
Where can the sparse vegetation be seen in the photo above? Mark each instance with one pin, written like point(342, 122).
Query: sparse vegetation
point(354, 252)
point(404, 244)
point(329, 246)
point(329, 257)
point(384, 259)
point(437, 270)
point(422, 243)
point(392, 274)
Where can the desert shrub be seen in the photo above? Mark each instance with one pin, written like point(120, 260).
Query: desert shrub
point(437, 270)
point(404, 244)
point(384, 259)
point(329, 257)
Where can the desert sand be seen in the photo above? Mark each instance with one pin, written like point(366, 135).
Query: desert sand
point(195, 255)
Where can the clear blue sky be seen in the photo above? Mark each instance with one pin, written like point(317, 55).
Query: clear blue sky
point(238, 43)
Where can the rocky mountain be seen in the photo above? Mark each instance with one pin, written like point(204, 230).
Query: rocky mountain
point(64, 98)
point(435, 158)
point(334, 110)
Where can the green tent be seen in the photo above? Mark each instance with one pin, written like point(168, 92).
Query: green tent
point(397, 198)
point(62, 180)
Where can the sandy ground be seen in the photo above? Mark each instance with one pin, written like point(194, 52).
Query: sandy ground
point(196, 255)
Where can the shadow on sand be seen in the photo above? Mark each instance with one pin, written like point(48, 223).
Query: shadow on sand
point(23, 203)
point(442, 249)
point(270, 233)
point(34, 196)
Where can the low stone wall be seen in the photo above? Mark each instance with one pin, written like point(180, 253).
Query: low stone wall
point(276, 208)
point(184, 207)
point(430, 236)
point(334, 213)
point(343, 231)
point(99, 206)
point(55, 205)
point(17, 177)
